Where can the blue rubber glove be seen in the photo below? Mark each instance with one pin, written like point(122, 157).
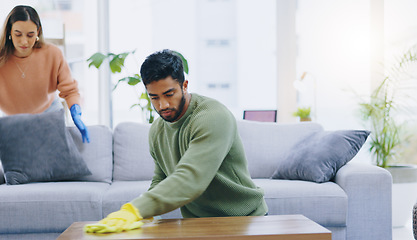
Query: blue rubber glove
point(76, 117)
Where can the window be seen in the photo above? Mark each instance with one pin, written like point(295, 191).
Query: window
point(229, 47)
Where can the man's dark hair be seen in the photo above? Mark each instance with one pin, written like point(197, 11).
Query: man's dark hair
point(160, 65)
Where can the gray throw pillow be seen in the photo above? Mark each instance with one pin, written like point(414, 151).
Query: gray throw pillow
point(38, 148)
point(319, 156)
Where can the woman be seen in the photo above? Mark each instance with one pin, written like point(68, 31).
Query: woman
point(31, 70)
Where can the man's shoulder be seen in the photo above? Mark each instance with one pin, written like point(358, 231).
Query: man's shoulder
point(210, 108)
point(156, 125)
point(207, 102)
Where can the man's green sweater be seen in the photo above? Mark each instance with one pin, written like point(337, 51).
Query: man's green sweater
point(200, 166)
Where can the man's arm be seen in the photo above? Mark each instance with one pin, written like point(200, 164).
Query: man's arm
point(158, 176)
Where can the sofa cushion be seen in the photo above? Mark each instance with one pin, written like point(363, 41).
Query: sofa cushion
point(38, 147)
point(325, 203)
point(97, 154)
point(132, 160)
point(318, 156)
point(266, 143)
point(121, 192)
point(50, 206)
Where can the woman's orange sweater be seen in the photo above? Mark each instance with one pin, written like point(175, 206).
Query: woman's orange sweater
point(45, 71)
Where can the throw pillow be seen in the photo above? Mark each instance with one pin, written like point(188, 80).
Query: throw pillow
point(319, 156)
point(38, 148)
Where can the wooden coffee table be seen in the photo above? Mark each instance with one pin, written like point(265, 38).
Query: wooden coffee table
point(288, 227)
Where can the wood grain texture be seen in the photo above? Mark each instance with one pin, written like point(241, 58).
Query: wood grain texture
point(288, 227)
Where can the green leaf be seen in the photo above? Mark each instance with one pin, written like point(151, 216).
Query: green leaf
point(147, 109)
point(302, 112)
point(130, 80)
point(96, 59)
point(145, 96)
point(134, 80)
point(117, 62)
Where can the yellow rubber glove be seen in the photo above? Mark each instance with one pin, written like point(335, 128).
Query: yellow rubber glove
point(127, 218)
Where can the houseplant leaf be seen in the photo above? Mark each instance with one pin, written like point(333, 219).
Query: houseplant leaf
point(381, 109)
point(117, 62)
point(96, 59)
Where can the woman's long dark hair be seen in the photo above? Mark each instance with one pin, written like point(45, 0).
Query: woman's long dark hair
point(18, 13)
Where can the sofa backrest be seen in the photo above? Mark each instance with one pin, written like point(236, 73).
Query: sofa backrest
point(267, 143)
point(132, 160)
point(97, 154)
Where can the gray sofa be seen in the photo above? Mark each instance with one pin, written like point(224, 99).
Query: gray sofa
point(355, 205)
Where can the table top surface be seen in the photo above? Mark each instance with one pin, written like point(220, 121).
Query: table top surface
point(289, 227)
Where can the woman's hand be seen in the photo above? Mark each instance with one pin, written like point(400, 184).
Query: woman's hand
point(76, 117)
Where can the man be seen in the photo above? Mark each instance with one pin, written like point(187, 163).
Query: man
point(200, 163)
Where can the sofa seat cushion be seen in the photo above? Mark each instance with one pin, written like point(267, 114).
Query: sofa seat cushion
point(121, 192)
point(49, 207)
point(325, 203)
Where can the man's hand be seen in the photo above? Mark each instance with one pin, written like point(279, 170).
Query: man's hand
point(127, 218)
point(76, 117)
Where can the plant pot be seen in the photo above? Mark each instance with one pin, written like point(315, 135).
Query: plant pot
point(404, 193)
point(306, 119)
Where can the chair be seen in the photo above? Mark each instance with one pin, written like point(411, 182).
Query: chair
point(260, 115)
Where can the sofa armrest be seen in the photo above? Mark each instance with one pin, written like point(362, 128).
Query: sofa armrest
point(369, 190)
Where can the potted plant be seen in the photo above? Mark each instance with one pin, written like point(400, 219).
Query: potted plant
point(116, 64)
point(383, 113)
point(303, 113)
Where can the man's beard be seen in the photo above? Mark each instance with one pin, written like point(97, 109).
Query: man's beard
point(178, 111)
